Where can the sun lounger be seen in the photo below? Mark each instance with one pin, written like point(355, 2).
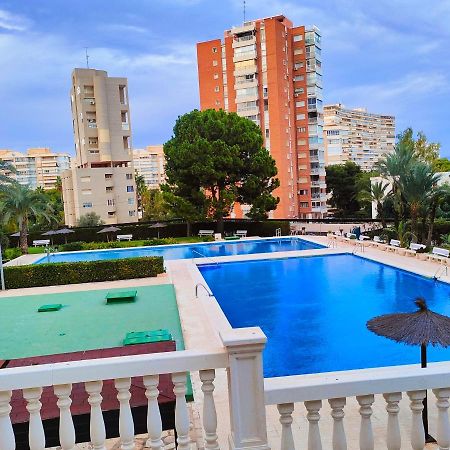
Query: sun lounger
point(241, 233)
point(124, 237)
point(41, 242)
point(439, 255)
point(206, 233)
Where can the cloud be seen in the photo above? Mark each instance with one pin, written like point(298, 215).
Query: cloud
point(13, 22)
point(121, 27)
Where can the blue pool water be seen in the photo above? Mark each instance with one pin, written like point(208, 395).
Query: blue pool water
point(314, 310)
point(241, 247)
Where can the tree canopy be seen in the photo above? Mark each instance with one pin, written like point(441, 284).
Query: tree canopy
point(215, 159)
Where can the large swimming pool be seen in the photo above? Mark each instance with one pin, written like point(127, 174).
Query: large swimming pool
point(314, 310)
point(241, 247)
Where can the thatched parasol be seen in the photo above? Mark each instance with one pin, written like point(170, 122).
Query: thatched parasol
point(422, 327)
point(50, 233)
point(108, 231)
point(158, 225)
point(65, 232)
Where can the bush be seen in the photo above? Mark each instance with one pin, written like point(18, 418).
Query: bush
point(11, 253)
point(17, 277)
point(161, 241)
point(72, 247)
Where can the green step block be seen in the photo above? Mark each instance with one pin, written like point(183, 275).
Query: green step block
point(48, 308)
point(121, 296)
point(146, 337)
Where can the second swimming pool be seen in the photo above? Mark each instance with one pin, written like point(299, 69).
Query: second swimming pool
point(314, 310)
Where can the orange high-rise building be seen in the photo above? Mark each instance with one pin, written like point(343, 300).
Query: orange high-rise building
point(270, 72)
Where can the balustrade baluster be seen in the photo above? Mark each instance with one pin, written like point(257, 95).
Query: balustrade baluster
point(7, 440)
point(36, 434)
point(313, 416)
point(443, 426)
point(126, 425)
point(337, 413)
point(287, 439)
point(366, 441)
point(97, 424)
point(66, 428)
point(209, 409)
point(417, 430)
point(154, 424)
point(393, 439)
point(181, 410)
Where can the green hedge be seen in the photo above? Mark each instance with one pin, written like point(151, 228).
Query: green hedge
point(82, 272)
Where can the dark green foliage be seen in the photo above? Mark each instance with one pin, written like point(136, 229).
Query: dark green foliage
point(11, 253)
point(17, 277)
point(72, 247)
point(215, 159)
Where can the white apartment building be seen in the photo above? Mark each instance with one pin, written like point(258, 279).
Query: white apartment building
point(149, 162)
point(102, 178)
point(38, 167)
point(356, 135)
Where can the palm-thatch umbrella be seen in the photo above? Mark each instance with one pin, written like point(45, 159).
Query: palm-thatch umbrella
point(158, 225)
point(65, 232)
point(108, 231)
point(17, 235)
point(422, 327)
point(50, 233)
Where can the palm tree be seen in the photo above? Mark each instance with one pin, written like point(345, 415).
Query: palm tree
point(437, 197)
point(6, 167)
point(20, 203)
point(378, 195)
point(418, 185)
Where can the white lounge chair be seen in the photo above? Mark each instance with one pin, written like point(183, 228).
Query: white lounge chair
point(439, 255)
point(413, 248)
point(241, 233)
point(41, 242)
point(206, 233)
point(124, 237)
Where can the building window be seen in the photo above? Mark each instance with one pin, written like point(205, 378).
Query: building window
point(304, 205)
point(214, 49)
point(217, 89)
point(299, 78)
point(217, 102)
point(215, 63)
point(301, 130)
point(298, 38)
point(303, 192)
point(86, 192)
point(216, 76)
point(85, 179)
point(131, 201)
point(87, 205)
point(130, 188)
point(300, 104)
point(129, 176)
point(301, 117)
point(131, 213)
point(109, 188)
point(110, 202)
point(108, 175)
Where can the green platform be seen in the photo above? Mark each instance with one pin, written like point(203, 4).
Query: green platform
point(121, 296)
point(85, 322)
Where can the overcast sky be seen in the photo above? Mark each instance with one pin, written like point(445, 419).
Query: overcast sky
point(391, 56)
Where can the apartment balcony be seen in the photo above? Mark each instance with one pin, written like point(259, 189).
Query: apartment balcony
point(248, 70)
point(92, 124)
point(125, 126)
point(249, 112)
point(318, 171)
point(246, 84)
point(246, 98)
point(89, 101)
point(244, 56)
point(245, 28)
point(243, 41)
point(319, 183)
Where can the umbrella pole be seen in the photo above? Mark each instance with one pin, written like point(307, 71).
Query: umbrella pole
point(423, 363)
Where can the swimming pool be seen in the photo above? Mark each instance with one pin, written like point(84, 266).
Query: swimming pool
point(188, 251)
point(314, 310)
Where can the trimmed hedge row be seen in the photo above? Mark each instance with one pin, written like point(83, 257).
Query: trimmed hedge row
point(35, 275)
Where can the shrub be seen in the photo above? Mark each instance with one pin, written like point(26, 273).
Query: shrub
point(82, 272)
point(71, 247)
point(161, 241)
point(11, 253)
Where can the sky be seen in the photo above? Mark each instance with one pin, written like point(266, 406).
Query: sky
point(390, 56)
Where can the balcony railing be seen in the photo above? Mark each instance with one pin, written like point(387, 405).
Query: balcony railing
point(125, 126)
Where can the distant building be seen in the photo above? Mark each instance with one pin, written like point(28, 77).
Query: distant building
point(149, 162)
point(356, 135)
point(102, 178)
point(270, 71)
point(38, 167)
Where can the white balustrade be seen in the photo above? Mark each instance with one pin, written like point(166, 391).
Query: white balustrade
point(365, 410)
point(7, 440)
point(443, 427)
point(181, 410)
point(393, 439)
point(126, 425)
point(209, 409)
point(337, 413)
point(313, 416)
point(66, 428)
point(97, 424)
point(417, 430)
point(287, 438)
point(36, 436)
point(154, 424)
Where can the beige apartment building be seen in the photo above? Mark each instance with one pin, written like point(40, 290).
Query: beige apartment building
point(356, 135)
point(101, 179)
point(38, 167)
point(149, 162)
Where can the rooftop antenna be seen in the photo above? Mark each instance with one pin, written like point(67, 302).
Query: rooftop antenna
point(87, 57)
point(244, 11)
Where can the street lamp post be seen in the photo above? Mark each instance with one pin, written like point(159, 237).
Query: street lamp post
point(2, 275)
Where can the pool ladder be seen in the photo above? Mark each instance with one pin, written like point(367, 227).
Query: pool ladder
point(204, 256)
point(443, 270)
point(210, 294)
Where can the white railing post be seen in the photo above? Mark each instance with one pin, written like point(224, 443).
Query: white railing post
point(126, 425)
point(417, 430)
point(393, 439)
point(209, 409)
point(287, 438)
point(154, 424)
point(246, 388)
point(36, 436)
point(313, 416)
point(337, 413)
point(66, 428)
point(366, 441)
point(181, 410)
point(443, 426)
point(97, 424)
point(7, 440)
